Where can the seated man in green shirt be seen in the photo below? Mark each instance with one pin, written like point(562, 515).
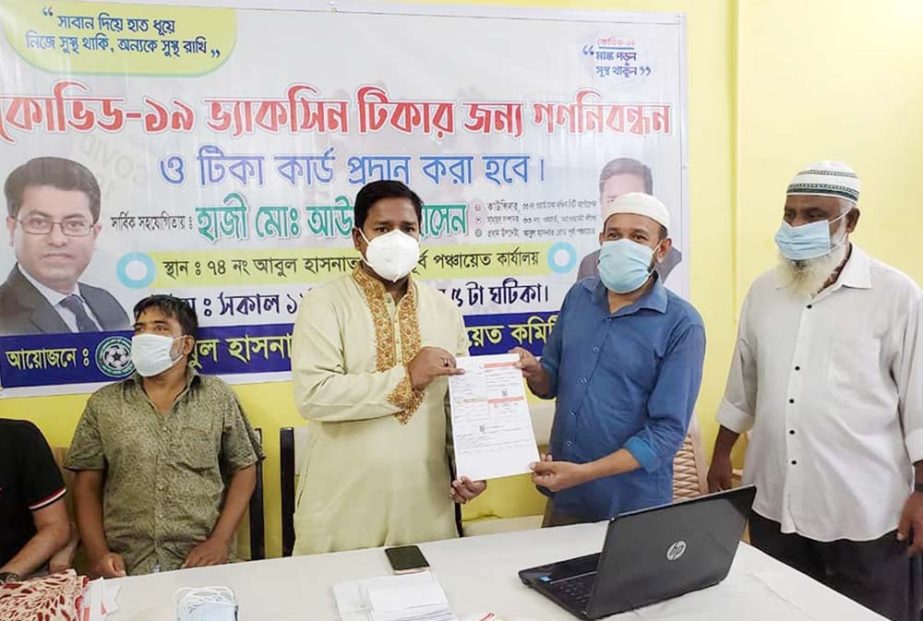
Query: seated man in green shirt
point(170, 450)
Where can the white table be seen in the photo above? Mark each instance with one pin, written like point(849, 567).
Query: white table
point(479, 574)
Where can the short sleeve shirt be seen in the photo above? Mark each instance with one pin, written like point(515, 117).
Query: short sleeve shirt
point(29, 481)
point(166, 474)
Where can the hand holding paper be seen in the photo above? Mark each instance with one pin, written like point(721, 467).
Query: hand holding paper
point(491, 425)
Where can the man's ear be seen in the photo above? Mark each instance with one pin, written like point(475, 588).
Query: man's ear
point(188, 344)
point(358, 241)
point(663, 249)
point(852, 219)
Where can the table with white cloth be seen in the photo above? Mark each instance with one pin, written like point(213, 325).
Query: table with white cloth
point(479, 575)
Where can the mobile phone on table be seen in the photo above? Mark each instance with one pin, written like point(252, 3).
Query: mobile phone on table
point(406, 559)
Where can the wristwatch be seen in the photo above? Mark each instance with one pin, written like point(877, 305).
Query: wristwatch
point(9, 576)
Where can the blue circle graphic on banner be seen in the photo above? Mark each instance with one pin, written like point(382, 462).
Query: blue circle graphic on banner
point(136, 270)
point(562, 257)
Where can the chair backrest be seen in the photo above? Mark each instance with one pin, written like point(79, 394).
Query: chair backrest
point(293, 449)
point(689, 470)
point(257, 517)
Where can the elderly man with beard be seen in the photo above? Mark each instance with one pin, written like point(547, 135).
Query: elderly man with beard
point(826, 378)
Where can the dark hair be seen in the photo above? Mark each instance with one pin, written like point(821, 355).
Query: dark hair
point(627, 166)
point(171, 307)
point(57, 172)
point(373, 192)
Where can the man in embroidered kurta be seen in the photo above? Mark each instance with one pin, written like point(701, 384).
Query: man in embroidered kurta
point(371, 353)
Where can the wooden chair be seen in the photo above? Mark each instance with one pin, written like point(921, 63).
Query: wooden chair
point(256, 517)
point(293, 442)
point(689, 467)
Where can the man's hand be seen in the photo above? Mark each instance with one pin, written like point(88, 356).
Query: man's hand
point(430, 363)
point(531, 367)
point(911, 524)
point(209, 552)
point(464, 489)
point(110, 565)
point(719, 473)
point(559, 475)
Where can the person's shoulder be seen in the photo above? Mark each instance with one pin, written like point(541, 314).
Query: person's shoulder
point(884, 275)
point(109, 393)
point(329, 290)
point(767, 283)
point(9, 283)
point(583, 288)
point(214, 385)
point(18, 431)
point(10, 289)
point(324, 297)
point(683, 309)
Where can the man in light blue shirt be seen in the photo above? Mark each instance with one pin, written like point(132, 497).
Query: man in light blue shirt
point(624, 362)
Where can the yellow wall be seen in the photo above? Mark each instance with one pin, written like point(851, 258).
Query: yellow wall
point(773, 84)
point(831, 79)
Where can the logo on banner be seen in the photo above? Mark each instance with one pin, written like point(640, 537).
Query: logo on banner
point(675, 551)
point(113, 357)
point(616, 58)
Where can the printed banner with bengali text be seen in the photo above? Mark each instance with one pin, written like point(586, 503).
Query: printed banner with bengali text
point(215, 154)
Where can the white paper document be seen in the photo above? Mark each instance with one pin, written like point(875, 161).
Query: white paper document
point(412, 597)
point(491, 425)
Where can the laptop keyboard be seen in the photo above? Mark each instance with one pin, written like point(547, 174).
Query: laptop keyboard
point(576, 590)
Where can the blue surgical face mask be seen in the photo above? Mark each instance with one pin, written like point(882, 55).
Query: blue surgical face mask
point(624, 265)
point(206, 604)
point(808, 241)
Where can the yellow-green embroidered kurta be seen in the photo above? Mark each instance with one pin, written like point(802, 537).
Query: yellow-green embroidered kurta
point(377, 468)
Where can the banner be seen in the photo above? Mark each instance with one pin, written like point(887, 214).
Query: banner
point(215, 154)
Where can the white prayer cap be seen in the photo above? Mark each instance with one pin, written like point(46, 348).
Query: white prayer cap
point(826, 178)
point(641, 204)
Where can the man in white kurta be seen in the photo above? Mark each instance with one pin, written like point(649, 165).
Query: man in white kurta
point(378, 469)
point(827, 380)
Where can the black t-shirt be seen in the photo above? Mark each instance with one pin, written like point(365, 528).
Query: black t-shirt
point(29, 481)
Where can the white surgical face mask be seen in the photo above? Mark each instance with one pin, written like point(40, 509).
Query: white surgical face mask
point(152, 353)
point(392, 255)
point(206, 604)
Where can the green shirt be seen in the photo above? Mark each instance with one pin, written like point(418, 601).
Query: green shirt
point(166, 474)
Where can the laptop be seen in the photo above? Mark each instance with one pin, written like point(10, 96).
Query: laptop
point(649, 556)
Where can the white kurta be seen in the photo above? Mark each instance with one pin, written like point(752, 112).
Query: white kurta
point(831, 390)
point(378, 468)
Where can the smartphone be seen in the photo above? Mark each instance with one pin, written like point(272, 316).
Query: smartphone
point(406, 559)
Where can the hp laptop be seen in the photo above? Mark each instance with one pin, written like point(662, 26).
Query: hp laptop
point(650, 556)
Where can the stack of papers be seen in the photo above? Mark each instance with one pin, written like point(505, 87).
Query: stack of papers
point(98, 601)
point(412, 597)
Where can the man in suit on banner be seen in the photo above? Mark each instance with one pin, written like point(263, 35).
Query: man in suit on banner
point(53, 207)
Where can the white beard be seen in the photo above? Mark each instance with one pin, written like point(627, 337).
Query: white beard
point(807, 277)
